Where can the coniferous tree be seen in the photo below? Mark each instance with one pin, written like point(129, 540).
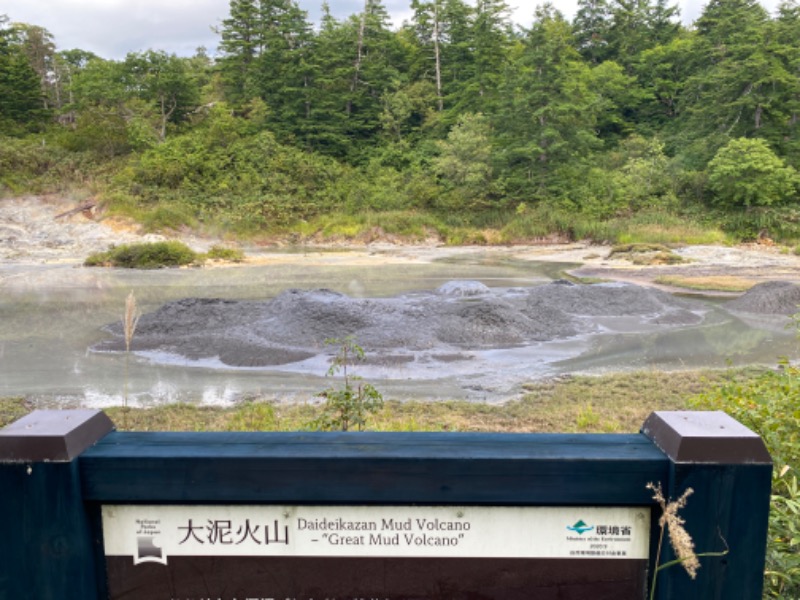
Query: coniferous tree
point(731, 93)
point(548, 116)
point(590, 26)
point(428, 29)
point(37, 44)
point(445, 32)
point(662, 72)
point(786, 32)
point(329, 80)
point(458, 59)
point(491, 37)
point(241, 46)
point(283, 74)
point(638, 25)
point(374, 69)
point(21, 98)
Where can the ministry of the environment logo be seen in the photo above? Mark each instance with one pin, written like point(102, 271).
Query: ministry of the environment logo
point(580, 527)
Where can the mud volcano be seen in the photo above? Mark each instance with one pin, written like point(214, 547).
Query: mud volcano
point(768, 298)
point(452, 324)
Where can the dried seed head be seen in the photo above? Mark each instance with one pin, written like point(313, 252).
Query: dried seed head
point(132, 315)
point(679, 538)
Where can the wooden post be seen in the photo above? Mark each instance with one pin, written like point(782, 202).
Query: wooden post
point(47, 551)
point(730, 471)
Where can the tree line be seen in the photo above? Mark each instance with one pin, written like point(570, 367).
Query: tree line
point(621, 110)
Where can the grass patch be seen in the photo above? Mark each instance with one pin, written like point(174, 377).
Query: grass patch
point(369, 226)
point(646, 254)
point(221, 253)
point(671, 233)
point(144, 256)
point(157, 255)
point(12, 409)
point(607, 403)
point(767, 404)
point(711, 283)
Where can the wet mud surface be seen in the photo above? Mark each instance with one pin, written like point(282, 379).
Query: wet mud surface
point(444, 325)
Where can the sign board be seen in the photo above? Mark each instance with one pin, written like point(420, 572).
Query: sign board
point(386, 552)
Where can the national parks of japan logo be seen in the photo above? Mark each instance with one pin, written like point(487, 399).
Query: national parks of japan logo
point(148, 536)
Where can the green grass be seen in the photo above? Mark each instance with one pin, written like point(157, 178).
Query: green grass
point(646, 254)
point(716, 283)
point(154, 255)
point(157, 255)
point(225, 254)
point(607, 403)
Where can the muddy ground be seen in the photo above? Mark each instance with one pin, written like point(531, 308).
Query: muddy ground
point(442, 325)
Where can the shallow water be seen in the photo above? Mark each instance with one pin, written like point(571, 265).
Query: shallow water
point(51, 314)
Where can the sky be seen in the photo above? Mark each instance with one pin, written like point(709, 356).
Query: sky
point(112, 28)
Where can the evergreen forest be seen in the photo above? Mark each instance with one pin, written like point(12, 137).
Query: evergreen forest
point(621, 124)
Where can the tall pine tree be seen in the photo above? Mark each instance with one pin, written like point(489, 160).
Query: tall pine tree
point(241, 45)
point(21, 98)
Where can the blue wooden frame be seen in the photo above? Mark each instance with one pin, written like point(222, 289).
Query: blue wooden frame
point(372, 468)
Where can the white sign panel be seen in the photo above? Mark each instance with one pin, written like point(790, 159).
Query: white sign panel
point(155, 533)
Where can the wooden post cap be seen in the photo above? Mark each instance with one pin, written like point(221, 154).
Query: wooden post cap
point(52, 435)
point(704, 437)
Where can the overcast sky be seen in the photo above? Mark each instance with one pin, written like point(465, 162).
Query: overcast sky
point(112, 28)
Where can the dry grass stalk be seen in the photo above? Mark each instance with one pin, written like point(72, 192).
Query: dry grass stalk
point(132, 315)
point(129, 323)
point(679, 538)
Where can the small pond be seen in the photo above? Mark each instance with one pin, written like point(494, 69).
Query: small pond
point(52, 314)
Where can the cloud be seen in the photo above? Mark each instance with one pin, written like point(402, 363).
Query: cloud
point(112, 28)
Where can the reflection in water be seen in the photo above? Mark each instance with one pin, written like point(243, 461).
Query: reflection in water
point(52, 315)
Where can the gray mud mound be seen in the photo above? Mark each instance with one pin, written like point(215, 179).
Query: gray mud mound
point(769, 298)
point(607, 300)
point(463, 288)
point(444, 325)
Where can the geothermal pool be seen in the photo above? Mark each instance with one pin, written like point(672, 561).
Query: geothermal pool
point(56, 346)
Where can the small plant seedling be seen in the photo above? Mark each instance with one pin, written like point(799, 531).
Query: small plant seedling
point(347, 408)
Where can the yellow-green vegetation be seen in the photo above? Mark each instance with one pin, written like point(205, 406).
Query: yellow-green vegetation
point(153, 255)
point(605, 403)
point(646, 254)
point(12, 409)
point(711, 283)
point(157, 255)
point(768, 404)
point(225, 254)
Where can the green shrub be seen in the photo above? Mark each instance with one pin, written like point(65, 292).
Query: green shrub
point(770, 406)
point(780, 223)
point(144, 256)
point(746, 172)
point(40, 165)
point(226, 254)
